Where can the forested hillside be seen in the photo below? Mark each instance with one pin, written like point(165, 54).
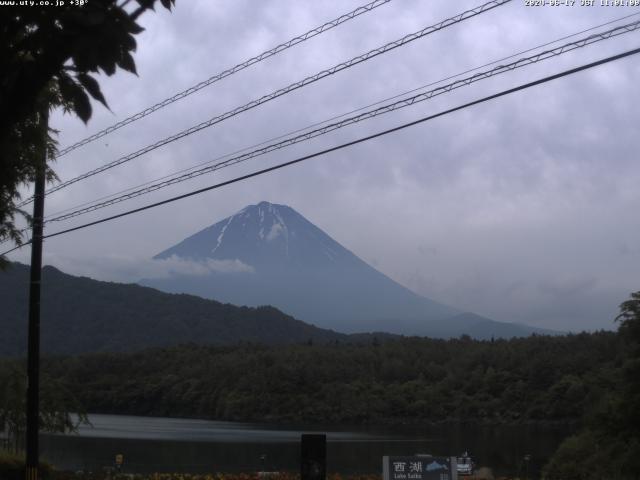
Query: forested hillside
point(587, 381)
point(83, 315)
point(406, 380)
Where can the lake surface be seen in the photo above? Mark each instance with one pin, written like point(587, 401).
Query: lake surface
point(182, 445)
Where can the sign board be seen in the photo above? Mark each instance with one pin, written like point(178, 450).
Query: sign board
point(419, 467)
point(119, 459)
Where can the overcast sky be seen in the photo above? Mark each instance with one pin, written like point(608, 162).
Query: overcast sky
point(524, 209)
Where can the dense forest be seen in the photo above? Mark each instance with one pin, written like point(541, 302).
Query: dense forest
point(407, 380)
point(590, 381)
point(608, 444)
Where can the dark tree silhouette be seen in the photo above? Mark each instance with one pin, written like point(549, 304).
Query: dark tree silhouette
point(609, 445)
point(47, 58)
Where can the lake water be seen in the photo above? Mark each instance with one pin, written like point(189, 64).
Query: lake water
point(182, 445)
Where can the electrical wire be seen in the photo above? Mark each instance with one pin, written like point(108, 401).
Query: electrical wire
point(278, 93)
point(59, 215)
point(347, 144)
point(406, 102)
point(226, 73)
point(279, 137)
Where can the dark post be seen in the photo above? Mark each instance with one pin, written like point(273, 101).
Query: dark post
point(527, 459)
point(33, 353)
point(313, 457)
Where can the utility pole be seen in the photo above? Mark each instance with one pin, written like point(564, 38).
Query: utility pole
point(33, 347)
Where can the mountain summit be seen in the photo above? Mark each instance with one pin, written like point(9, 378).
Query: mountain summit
point(265, 236)
point(269, 254)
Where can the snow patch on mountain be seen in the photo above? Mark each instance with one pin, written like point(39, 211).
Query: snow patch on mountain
point(276, 230)
point(221, 236)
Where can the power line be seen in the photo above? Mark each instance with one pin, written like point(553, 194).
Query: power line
point(58, 216)
point(226, 73)
point(278, 93)
point(279, 137)
point(568, 47)
point(348, 144)
point(17, 247)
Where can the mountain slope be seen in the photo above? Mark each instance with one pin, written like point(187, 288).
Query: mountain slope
point(298, 268)
point(284, 260)
point(84, 315)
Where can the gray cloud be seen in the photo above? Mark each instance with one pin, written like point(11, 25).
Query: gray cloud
point(521, 209)
point(122, 268)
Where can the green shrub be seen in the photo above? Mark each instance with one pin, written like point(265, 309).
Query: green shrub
point(588, 457)
point(12, 467)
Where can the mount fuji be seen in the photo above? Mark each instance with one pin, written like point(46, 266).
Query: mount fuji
point(269, 254)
